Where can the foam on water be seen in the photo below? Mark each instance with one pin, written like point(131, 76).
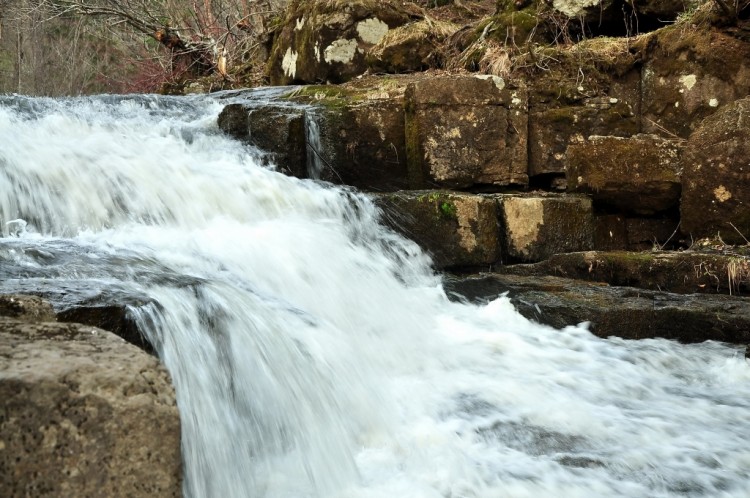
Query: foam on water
point(313, 351)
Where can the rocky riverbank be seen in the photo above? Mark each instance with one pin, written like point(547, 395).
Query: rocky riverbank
point(619, 159)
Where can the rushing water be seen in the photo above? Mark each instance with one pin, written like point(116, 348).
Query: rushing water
point(314, 352)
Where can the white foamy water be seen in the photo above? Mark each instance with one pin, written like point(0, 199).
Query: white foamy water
point(315, 354)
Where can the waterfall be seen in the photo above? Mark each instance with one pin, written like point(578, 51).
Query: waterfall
point(314, 352)
point(314, 146)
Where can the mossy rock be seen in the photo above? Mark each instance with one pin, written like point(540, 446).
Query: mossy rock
point(457, 230)
point(326, 40)
point(678, 272)
point(689, 73)
point(411, 47)
point(638, 174)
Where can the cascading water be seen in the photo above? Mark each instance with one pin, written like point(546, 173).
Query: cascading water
point(313, 351)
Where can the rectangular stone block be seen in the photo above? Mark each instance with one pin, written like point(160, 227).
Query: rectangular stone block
point(362, 144)
point(639, 174)
point(537, 226)
point(457, 230)
point(464, 131)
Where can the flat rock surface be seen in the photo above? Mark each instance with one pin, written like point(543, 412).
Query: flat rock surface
point(682, 272)
point(613, 311)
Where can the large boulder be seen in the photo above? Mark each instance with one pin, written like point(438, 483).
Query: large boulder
point(326, 40)
point(83, 413)
point(457, 230)
point(716, 176)
point(689, 73)
point(639, 174)
point(537, 226)
point(464, 131)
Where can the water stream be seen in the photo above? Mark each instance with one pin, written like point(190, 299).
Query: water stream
point(315, 353)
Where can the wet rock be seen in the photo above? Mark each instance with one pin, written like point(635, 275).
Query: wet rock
point(464, 131)
point(716, 178)
point(457, 230)
point(684, 272)
point(361, 144)
point(538, 226)
point(278, 131)
point(26, 308)
point(115, 318)
point(614, 311)
point(326, 41)
point(84, 414)
point(690, 72)
point(639, 174)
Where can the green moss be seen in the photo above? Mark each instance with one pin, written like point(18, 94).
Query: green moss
point(448, 209)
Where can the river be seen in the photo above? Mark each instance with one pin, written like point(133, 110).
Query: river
point(314, 351)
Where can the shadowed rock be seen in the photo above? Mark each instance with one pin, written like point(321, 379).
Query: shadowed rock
point(678, 272)
point(537, 226)
point(716, 178)
point(614, 311)
point(639, 174)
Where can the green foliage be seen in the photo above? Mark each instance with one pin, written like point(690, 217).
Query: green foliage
point(448, 209)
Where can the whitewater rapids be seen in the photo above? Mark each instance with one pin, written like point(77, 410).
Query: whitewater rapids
point(315, 353)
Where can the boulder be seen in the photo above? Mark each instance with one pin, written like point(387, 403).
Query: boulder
point(716, 176)
point(464, 131)
point(639, 174)
point(457, 230)
point(327, 40)
point(689, 73)
point(586, 10)
point(685, 272)
point(613, 311)
point(537, 226)
point(411, 47)
point(84, 414)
